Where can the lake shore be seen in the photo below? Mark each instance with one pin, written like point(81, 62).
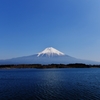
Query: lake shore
point(76, 65)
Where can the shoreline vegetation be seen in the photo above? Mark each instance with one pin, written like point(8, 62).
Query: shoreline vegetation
point(76, 65)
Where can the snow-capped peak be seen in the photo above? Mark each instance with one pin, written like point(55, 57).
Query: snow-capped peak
point(50, 51)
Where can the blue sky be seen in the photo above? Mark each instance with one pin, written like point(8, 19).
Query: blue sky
point(29, 26)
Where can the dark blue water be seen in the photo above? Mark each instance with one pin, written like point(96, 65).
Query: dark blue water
point(50, 84)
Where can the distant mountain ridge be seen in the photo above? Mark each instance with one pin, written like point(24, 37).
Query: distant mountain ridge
point(49, 55)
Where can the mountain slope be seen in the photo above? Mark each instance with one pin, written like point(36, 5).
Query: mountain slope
point(47, 56)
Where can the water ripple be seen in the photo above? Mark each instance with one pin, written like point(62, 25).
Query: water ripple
point(55, 84)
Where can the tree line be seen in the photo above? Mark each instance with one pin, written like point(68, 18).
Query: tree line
point(76, 65)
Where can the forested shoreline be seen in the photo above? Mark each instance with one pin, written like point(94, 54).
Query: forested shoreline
point(76, 65)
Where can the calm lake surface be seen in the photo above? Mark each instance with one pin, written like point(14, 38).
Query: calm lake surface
point(50, 84)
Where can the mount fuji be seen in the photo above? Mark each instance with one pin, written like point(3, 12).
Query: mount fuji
point(49, 55)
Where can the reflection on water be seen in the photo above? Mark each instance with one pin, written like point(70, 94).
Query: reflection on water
point(50, 84)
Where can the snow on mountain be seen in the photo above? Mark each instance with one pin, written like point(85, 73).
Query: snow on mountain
point(50, 51)
point(47, 56)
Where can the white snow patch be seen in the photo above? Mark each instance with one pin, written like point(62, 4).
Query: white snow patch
point(50, 51)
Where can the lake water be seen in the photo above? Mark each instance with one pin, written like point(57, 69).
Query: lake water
point(50, 84)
